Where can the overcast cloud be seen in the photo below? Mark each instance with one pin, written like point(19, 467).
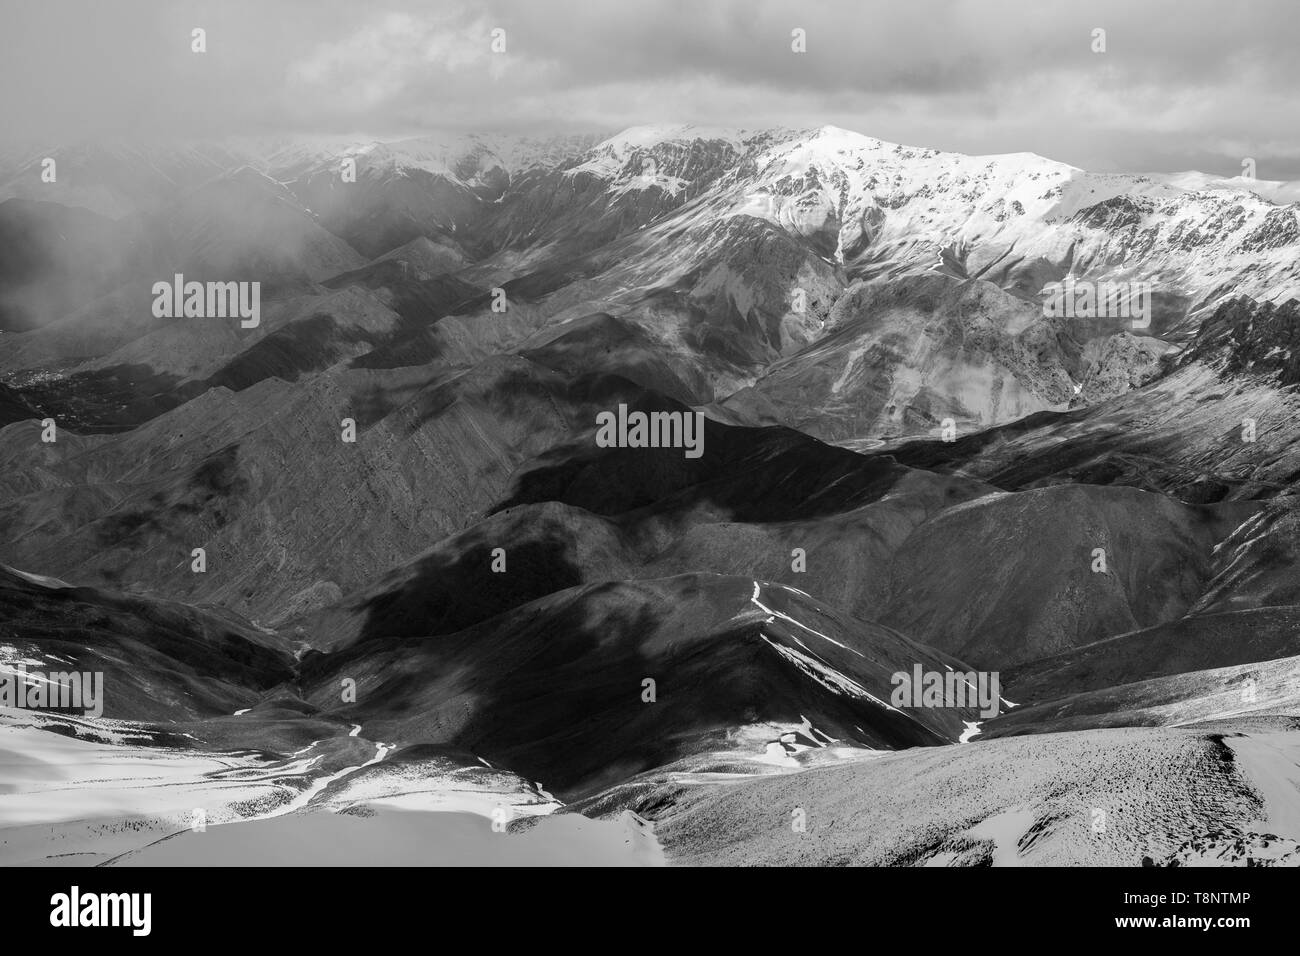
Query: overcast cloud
point(1183, 83)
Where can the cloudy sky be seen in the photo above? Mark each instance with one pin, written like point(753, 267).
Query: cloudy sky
point(1182, 84)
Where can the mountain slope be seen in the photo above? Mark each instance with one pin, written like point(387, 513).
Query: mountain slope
point(555, 689)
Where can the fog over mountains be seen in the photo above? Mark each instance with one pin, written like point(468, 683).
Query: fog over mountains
point(365, 553)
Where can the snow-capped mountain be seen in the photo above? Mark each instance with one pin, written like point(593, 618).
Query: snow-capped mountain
point(885, 203)
point(783, 267)
point(870, 205)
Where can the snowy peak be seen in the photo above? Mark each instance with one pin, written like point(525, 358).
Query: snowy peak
point(867, 205)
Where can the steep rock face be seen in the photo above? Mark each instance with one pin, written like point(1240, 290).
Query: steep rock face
point(1279, 228)
point(901, 356)
point(1243, 336)
point(1118, 364)
point(1253, 566)
point(754, 284)
point(620, 186)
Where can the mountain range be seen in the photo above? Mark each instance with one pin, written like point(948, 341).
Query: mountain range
point(368, 554)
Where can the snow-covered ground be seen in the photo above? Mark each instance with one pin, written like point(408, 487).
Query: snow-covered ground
point(68, 800)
